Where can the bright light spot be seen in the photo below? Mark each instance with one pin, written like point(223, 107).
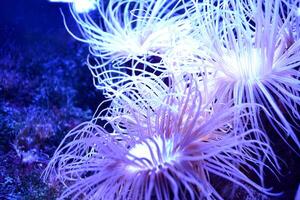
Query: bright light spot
point(143, 151)
point(246, 65)
point(298, 12)
point(81, 6)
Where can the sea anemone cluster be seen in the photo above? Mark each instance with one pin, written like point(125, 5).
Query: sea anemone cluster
point(191, 88)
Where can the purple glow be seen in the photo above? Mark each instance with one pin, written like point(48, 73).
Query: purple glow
point(170, 153)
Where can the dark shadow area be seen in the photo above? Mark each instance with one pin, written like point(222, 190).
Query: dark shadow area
point(45, 90)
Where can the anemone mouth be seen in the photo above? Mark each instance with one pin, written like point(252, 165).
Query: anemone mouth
point(152, 154)
point(246, 65)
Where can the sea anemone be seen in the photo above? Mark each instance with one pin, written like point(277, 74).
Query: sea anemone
point(132, 32)
point(173, 152)
point(251, 51)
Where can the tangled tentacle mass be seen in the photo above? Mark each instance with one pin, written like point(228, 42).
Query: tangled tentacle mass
point(192, 86)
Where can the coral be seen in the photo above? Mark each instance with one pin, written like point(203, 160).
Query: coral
point(40, 100)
